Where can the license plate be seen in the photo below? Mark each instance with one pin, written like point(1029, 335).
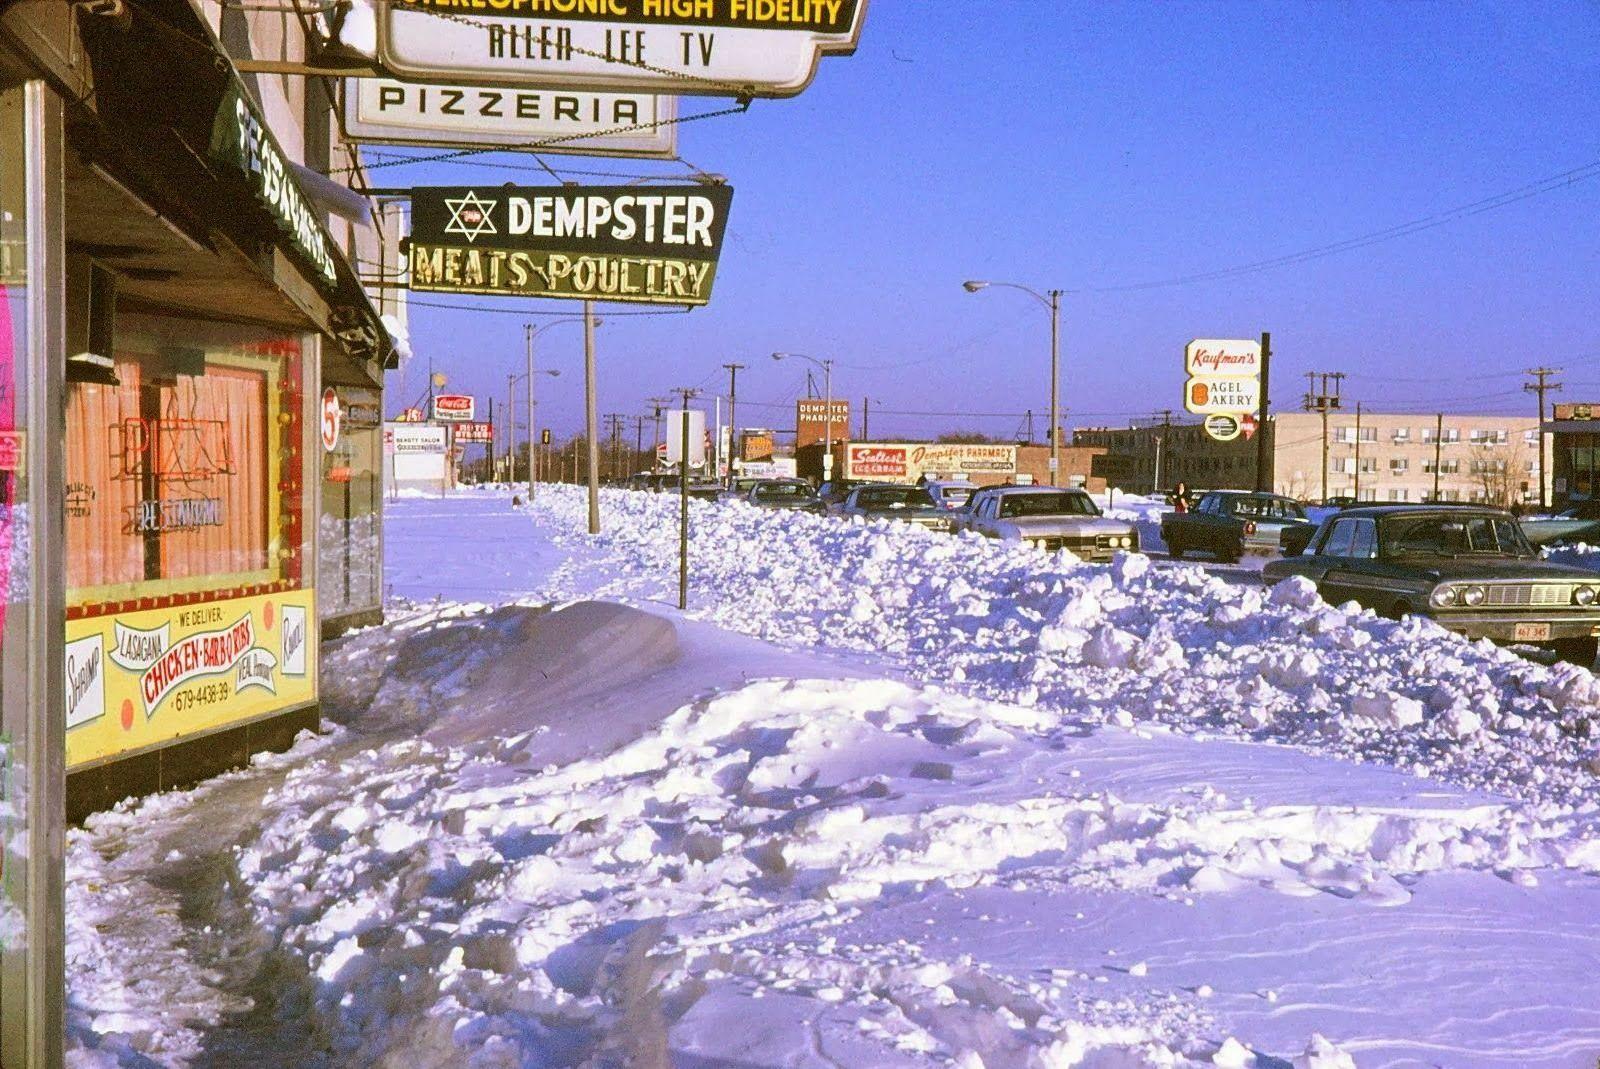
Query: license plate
point(1531, 632)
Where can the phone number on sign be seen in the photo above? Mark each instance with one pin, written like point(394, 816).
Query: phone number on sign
point(209, 694)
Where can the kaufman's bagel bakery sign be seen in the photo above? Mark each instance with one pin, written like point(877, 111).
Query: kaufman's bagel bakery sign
point(614, 243)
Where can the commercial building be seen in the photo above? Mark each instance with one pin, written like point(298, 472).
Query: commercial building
point(1574, 435)
point(1379, 457)
point(190, 391)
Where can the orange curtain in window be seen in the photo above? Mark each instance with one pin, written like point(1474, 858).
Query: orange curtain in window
point(212, 444)
point(102, 546)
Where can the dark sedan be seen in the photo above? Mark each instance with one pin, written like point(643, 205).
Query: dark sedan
point(892, 501)
point(1231, 523)
point(793, 494)
point(1469, 569)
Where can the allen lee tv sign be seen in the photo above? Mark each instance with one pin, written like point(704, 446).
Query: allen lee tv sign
point(655, 245)
point(740, 48)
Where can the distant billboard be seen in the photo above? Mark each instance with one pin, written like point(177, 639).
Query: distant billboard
point(453, 408)
point(910, 461)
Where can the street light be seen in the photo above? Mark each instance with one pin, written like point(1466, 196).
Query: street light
point(1051, 299)
point(531, 332)
point(827, 432)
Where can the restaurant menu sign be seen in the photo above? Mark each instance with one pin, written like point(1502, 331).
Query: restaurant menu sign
point(386, 112)
point(910, 461)
point(139, 679)
point(745, 48)
point(648, 244)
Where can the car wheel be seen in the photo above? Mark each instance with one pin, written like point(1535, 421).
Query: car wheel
point(1578, 651)
point(1399, 610)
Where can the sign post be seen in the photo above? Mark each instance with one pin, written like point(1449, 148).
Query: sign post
point(1263, 455)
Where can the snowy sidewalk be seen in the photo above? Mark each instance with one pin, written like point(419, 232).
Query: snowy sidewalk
point(623, 839)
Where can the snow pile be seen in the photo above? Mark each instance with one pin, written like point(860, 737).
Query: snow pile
point(454, 906)
point(1118, 643)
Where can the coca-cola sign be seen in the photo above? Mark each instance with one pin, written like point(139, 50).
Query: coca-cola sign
point(453, 408)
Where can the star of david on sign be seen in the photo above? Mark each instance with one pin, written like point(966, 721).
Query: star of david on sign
point(469, 216)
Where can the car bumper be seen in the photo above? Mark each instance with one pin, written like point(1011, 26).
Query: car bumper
point(1503, 627)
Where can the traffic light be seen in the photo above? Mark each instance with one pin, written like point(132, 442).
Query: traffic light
point(544, 436)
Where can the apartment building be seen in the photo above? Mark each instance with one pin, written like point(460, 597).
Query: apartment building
point(1378, 457)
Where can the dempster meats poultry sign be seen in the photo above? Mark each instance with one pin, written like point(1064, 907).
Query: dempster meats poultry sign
point(655, 244)
point(742, 48)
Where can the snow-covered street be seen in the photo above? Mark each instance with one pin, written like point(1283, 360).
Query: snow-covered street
point(882, 797)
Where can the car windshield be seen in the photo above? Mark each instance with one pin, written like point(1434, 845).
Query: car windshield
point(1268, 508)
point(1451, 536)
point(894, 497)
point(781, 491)
point(744, 486)
point(1047, 504)
point(955, 495)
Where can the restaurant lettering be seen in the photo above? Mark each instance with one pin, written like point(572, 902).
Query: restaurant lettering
point(181, 514)
point(203, 654)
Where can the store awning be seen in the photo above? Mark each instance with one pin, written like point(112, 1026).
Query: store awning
point(229, 226)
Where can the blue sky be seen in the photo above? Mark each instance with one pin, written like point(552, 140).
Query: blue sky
point(1095, 146)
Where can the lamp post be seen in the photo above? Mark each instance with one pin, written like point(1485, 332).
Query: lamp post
point(530, 332)
point(827, 425)
point(1050, 299)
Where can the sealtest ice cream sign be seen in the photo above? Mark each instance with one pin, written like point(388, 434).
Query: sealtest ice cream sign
point(616, 243)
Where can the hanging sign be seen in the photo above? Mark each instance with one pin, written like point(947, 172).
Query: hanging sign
point(387, 112)
point(743, 48)
point(1205, 396)
point(1223, 426)
point(332, 419)
point(615, 243)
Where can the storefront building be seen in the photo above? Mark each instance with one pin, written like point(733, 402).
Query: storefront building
point(1574, 433)
point(176, 305)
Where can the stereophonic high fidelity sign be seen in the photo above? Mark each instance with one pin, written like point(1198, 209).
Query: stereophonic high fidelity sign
point(387, 112)
point(762, 48)
point(651, 244)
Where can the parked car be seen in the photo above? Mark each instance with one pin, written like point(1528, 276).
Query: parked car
point(893, 501)
point(1469, 569)
point(949, 493)
point(739, 489)
point(961, 518)
point(1577, 523)
point(703, 489)
point(834, 491)
point(639, 481)
point(1340, 501)
point(1231, 523)
point(793, 494)
point(1052, 519)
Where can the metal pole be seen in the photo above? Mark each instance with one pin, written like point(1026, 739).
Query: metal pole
point(683, 509)
point(1438, 446)
point(511, 429)
point(591, 417)
point(529, 328)
point(827, 433)
point(1155, 485)
point(1263, 456)
point(1324, 406)
point(1356, 493)
point(1055, 384)
point(733, 427)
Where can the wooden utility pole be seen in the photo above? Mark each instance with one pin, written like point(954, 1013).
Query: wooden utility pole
point(1319, 399)
point(1541, 387)
point(1263, 453)
point(733, 428)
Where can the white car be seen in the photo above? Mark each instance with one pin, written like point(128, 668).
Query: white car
point(1051, 518)
point(949, 493)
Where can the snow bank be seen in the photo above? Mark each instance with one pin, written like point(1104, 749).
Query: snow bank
point(1119, 643)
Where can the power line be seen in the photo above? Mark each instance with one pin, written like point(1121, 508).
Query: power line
point(1415, 226)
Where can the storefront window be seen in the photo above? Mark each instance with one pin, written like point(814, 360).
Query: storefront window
point(349, 561)
point(176, 472)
